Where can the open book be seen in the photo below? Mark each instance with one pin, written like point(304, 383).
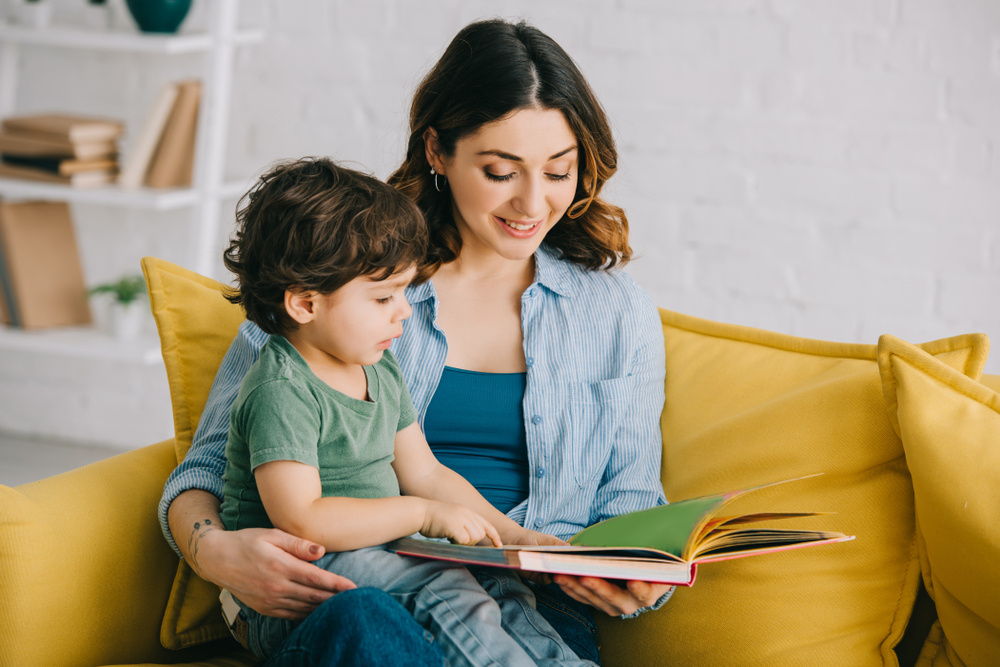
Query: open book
point(663, 544)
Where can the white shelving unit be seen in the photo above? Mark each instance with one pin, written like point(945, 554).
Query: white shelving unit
point(203, 198)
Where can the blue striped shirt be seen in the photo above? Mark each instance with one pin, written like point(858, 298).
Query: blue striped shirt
point(593, 345)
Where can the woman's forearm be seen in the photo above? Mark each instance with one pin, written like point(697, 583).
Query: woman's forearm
point(267, 570)
point(192, 515)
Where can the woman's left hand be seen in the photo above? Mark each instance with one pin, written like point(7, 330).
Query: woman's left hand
point(610, 598)
point(519, 535)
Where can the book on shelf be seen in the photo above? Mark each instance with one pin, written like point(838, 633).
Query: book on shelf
point(57, 165)
point(172, 164)
point(60, 148)
point(4, 312)
point(29, 145)
point(79, 179)
point(140, 154)
point(664, 544)
point(40, 266)
point(60, 126)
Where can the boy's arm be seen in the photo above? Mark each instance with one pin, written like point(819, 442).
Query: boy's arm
point(421, 474)
point(292, 495)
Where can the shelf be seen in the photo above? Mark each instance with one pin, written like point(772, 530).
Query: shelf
point(113, 195)
point(104, 40)
point(81, 342)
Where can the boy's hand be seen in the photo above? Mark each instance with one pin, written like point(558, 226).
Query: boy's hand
point(459, 524)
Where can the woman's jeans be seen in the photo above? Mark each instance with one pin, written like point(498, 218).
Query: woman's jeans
point(358, 628)
point(574, 621)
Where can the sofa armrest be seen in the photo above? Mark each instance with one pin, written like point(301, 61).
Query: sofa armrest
point(84, 570)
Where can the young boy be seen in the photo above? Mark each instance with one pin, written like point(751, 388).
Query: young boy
point(323, 436)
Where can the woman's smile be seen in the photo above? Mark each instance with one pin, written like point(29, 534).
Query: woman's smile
point(519, 228)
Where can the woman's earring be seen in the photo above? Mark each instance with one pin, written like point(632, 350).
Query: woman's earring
point(435, 175)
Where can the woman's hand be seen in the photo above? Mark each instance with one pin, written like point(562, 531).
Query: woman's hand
point(268, 570)
point(610, 598)
point(520, 535)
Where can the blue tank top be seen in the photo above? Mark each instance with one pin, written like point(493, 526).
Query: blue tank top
point(475, 426)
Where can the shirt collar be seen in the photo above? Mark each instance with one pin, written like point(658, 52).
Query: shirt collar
point(421, 292)
point(551, 272)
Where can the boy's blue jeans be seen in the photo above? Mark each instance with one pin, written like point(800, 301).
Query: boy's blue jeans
point(495, 626)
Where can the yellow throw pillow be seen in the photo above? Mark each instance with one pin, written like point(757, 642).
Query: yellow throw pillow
point(196, 326)
point(744, 407)
point(950, 428)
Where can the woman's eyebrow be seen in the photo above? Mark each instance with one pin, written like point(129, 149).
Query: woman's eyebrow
point(514, 158)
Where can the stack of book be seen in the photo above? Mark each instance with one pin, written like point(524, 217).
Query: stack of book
point(60, 148)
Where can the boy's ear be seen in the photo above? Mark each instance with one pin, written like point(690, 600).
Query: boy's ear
point(300, 305)
point(432, 150)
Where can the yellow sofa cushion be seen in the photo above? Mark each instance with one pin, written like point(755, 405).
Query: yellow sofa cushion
point(744, 407)
point(84, 569)
point(196, 326)
point(950, 428)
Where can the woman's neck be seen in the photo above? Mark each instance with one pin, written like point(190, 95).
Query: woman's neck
point(479, 311)
point(475, 267)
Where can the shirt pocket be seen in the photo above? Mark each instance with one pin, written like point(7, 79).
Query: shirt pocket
point(597, 411)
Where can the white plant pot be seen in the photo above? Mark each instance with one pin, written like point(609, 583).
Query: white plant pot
point(126, 320)
point(31, 14)
point(97, 17)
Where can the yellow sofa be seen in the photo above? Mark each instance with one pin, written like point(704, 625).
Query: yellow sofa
point(908, 439)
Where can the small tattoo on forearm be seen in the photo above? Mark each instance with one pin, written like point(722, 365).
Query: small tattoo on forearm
point(200, 529)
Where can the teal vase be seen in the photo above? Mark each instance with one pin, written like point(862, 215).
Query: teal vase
point(164, 16)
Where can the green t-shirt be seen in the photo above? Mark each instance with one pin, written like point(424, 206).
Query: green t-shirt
point(283, 412)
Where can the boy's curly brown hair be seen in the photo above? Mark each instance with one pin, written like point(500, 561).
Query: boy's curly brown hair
point(313, 225)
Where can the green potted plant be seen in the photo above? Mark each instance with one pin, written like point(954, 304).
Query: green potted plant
point(127, 294)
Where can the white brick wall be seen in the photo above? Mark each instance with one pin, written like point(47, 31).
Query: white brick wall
point(826, 168)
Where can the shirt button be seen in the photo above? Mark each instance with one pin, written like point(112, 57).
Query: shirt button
point(531, 291)
point(536, 419)
point(541, 472)
point(538, 523)
point(530, 361)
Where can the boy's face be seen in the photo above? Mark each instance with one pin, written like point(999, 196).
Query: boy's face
point(357, 323)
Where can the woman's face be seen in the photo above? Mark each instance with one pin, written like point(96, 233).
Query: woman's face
point(512, 181)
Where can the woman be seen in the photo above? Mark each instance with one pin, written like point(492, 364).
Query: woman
point(536, 368)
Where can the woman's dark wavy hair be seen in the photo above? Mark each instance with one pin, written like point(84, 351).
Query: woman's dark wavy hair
point(491, 69)
point(313, 225)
